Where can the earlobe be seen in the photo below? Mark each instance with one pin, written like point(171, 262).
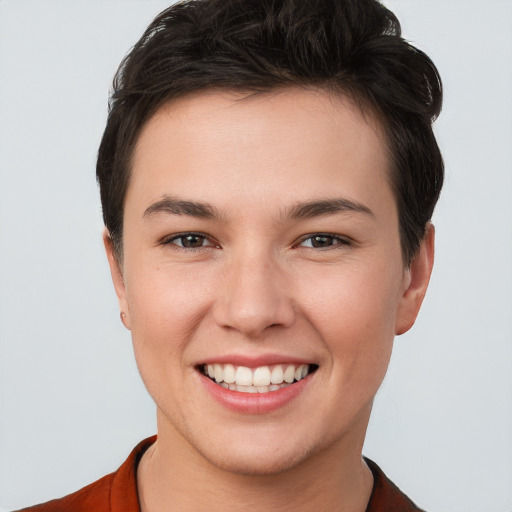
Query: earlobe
point(416, 283)
point(117, 278)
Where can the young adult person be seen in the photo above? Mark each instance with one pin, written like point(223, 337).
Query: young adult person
point(268, 174)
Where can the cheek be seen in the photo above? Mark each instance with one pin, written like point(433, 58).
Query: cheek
point(165, 311)
point(166, 301)
point(354, 311)
point(356, 295)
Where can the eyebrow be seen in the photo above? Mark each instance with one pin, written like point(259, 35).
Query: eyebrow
point(299, 210)
point(311, 209)
point(177, 206)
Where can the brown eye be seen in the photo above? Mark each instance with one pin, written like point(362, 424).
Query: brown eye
point(190, 241)
point(322, 241)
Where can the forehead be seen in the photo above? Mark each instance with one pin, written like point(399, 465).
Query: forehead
point(281, 145)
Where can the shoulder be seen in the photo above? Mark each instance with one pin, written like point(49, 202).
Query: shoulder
point(115, 492)
point(95, 496)
point(386, 496)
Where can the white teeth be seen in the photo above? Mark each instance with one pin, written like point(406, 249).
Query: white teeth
point(229, 373)
point(276, 377)
point(218, 373)
point(256, 380)
point(246, 389)
point(259, 389)
point(289, 374)
point(243, 376)
point(261, 376)
point(301, 372)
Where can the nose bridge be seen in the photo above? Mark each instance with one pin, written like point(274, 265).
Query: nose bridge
point(255, 294)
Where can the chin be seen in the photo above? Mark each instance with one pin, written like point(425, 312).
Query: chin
point(257, 463)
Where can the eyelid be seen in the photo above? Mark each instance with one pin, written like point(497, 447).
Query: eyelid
point(169, 239)
point(342, 241)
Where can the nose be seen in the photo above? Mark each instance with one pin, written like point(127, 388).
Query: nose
point(254, 296)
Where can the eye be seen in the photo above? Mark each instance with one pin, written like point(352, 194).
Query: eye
point(323, 241)
point(189, 241)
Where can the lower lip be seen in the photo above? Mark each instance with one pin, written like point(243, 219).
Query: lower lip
point(255, 403)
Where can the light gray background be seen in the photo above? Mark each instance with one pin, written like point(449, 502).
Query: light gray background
point(71, 402)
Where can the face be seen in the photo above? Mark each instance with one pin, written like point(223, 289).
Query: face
point(262, 251)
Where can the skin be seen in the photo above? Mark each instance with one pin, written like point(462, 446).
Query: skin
point(255, 285)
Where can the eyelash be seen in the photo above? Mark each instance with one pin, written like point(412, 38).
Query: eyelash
point(170, 241)
point(341, 241)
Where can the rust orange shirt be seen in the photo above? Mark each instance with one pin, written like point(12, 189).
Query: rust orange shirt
point(117, 492)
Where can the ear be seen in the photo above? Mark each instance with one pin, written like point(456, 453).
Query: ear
point(416, 280)
point(117, 278)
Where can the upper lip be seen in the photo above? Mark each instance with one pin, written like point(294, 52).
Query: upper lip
point(252, 361)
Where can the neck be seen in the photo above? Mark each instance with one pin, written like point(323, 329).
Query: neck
point(173, 472)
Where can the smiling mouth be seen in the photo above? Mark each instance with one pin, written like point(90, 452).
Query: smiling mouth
point(263, 379)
